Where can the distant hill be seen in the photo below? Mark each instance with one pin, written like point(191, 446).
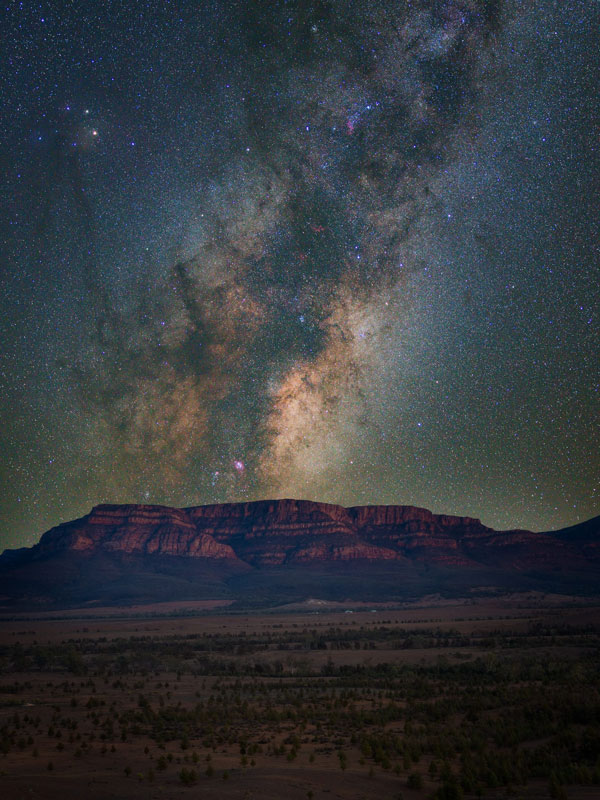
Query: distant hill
point(273, 551)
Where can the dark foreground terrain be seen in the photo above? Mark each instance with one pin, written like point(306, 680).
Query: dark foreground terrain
point(467, 700)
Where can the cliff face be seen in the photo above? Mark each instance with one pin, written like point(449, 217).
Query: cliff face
point(287, 531)
point(418, 533)
point(278, 532)
point(131, 529)
point(277, 551)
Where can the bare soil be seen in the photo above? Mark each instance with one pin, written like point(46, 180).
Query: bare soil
point(379, 703)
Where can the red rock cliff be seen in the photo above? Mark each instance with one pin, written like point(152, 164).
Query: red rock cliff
point(136, 529)
point(274, 532)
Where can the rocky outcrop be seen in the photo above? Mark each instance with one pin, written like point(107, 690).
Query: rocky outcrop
point(274, 532)
point(280, 532)
point(278, 551)
point(143, 529)
point(417, 532)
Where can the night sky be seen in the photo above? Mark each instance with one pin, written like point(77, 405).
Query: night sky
point(345, 251)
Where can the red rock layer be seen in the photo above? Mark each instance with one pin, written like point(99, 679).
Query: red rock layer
point(136, 529)
point(275, 532)
point(286, 531)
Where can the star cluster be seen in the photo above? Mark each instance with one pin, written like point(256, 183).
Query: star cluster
point(342, 251)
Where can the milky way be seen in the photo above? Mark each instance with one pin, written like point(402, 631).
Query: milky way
point(274, 321)
point(275, 249)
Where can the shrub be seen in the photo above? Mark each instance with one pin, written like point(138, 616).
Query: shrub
point(415, 781)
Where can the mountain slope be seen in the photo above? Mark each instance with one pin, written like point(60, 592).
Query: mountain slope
point(278, 550)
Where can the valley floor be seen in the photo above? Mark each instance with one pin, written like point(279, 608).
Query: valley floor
point(484, 699)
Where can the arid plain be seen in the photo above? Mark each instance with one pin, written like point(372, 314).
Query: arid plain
point(482, 698)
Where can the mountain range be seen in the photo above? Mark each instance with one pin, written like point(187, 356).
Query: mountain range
point(277, 551)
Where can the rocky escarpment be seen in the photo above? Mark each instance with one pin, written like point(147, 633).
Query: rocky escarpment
point(141, 529)
point(276, 551)
point(417, 532)
point(279, 532)
point(288, 531)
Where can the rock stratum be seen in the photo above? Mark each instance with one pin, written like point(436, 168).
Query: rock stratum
point(283, 550)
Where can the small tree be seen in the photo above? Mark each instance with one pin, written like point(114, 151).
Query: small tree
point(415, 780)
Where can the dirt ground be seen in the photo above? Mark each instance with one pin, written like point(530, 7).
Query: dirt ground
point(298, 704)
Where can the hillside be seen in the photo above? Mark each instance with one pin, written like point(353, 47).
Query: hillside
point(283, 550)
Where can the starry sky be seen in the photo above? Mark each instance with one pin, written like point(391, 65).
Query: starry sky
point(345, 251)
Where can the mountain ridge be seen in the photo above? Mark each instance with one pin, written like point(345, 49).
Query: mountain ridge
point(235, 548)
